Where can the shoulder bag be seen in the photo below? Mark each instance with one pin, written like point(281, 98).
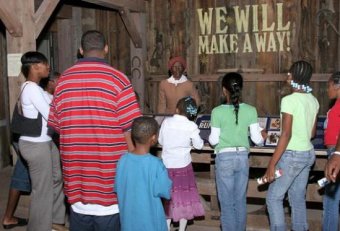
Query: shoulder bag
point(22, 125)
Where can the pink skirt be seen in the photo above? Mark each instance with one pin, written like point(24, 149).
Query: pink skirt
point(185, 202)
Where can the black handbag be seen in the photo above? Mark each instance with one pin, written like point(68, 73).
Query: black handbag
point(25, 126)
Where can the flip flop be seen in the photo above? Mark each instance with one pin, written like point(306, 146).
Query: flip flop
point(21, 222)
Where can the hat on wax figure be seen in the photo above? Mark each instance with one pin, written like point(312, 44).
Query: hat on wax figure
point(176, 59)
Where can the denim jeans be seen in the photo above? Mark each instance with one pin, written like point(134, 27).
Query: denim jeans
point(232, 171)
point(295, 166)
point(331, 204)
point(20, 179)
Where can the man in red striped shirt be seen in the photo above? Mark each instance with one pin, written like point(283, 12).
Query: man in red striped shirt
point(93, 109)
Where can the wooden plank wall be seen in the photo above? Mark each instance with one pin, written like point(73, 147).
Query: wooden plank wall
point(90, 17)
point(110, 23)
point(173, 29)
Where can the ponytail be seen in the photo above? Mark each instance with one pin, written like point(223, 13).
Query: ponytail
point(233, 82)
point(235, 99)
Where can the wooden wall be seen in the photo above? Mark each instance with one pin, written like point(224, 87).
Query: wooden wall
point(174, 28)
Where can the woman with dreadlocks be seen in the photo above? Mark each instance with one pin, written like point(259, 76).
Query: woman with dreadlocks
point(294, 154)
point(230, 123)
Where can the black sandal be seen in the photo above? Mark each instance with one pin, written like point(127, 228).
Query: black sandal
point(21, 222)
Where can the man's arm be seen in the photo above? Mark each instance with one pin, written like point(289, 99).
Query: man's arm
point(129, 141)
point(333, 164)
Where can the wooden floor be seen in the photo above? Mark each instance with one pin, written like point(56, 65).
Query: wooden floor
point(257, 220)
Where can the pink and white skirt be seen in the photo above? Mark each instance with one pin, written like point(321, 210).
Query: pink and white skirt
point(185, 202)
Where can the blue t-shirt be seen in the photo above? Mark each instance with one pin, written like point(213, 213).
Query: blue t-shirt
point(141, 181)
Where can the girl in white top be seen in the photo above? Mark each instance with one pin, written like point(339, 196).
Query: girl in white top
point(178, 134)
point(47, 198)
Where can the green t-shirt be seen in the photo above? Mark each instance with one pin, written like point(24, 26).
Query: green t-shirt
point(232, 134)
point(304, 108)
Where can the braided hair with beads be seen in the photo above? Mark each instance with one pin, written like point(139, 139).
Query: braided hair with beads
point(187, 106)
point(301, 72)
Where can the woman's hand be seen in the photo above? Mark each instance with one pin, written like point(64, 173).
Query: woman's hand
point(332, 168)
point(286, 133)
point(269, 176)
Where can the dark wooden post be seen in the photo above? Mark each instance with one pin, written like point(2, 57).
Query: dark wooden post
point(138, 57)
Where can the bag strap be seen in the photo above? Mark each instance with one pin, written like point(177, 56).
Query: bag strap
point(22, 90)
point(18, 100)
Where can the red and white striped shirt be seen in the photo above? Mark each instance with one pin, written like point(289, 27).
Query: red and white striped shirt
point(93, 106)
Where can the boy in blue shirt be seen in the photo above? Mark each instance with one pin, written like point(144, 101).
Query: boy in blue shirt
point(141, 181)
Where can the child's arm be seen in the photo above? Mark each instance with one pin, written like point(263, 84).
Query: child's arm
point(162, 184)
point(314, 127)
point(215, 129)
point(196, 139)
point(160, 136)
point(287, 121)
point(257, 134)
point(214, 136)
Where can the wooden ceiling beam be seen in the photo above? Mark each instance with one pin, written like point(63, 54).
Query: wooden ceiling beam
point(42, 15)
point(131, 27)
point(10, 19)
point(132, 5)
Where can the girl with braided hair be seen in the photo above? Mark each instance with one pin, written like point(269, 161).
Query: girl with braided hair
point(230, 123)
point(178, 134)
point(332, 132)
point(294, 154)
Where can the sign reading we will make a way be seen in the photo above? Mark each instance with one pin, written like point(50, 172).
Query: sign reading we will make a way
point(253, 30)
